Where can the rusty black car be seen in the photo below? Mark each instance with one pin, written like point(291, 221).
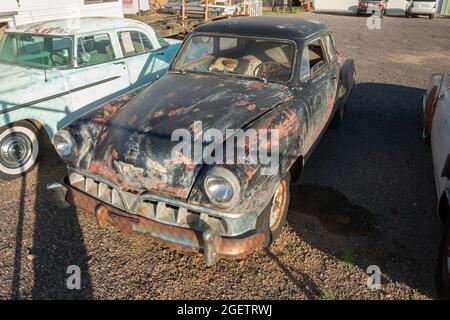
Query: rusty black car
point(278, 75)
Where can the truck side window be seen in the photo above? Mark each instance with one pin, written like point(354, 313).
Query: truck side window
point(313, 59)
point(134, 43)
point(95, 49)
point(316, 56)
point(305, 71)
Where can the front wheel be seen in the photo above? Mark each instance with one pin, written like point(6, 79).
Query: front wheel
point(443, 274)
point(273, 218)
point(19, 149)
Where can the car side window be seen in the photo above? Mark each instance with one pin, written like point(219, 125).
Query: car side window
point(313, 59)
point(331, 50)
point(305, 70)
point(134, 43)
point(95, 49)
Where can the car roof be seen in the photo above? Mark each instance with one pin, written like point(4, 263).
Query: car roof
point(67, 27)
point(267, 26)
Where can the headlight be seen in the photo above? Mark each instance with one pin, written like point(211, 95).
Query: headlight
point(64, 144)
point(222, 187)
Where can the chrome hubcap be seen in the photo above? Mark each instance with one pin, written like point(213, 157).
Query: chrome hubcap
point(15, 150)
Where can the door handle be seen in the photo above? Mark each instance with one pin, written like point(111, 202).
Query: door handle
point(334, 76)
point(441, 96)
point(119, 62)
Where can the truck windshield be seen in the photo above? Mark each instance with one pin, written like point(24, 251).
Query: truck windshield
point(36, 51)
point(269, 59)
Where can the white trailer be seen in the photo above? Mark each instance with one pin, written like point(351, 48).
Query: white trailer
point(20, 12)
point(394, 7)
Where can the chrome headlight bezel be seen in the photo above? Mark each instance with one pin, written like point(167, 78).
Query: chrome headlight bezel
point(64, 145)
point(224, 195)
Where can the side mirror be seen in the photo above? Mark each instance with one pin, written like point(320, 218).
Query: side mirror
point(85, 58)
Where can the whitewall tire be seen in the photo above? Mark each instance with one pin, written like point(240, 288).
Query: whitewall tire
point(19, 149)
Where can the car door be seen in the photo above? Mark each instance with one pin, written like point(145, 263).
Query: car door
point(143, 56)
point(317, 80)
point(440, 134)
point(98, 76)
point(334, 72)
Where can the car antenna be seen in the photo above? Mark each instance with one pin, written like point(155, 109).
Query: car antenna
point(45, 74)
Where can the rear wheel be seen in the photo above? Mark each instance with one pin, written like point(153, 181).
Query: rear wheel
point(19, 149)
point(431, 16)
point(272, 220)
point(443, 274)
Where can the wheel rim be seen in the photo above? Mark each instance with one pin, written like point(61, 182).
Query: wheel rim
point(16, 150)
point(278, 205)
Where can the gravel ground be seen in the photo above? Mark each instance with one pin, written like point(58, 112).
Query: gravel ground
point(366, 198)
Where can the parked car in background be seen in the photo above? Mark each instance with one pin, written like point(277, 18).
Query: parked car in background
point(436, 105)
point(52, 72)
point(421, 7)
point(372, 7)
point(250, 74)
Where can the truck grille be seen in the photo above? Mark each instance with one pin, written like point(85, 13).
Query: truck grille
point(151, 209)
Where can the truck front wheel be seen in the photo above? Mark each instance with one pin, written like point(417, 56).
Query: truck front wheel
point(19, 149)
point(272, 220)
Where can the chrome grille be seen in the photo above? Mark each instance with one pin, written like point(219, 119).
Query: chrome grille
point(150, 209)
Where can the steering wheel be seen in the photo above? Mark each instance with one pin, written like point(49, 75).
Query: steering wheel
point(277, 65)
point(57, 54)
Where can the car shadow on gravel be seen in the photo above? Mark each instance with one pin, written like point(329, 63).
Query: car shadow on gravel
point(367, 192)
point(57, 240)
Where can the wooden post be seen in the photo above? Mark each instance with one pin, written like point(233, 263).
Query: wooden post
point(206, 10)
point(183, 13)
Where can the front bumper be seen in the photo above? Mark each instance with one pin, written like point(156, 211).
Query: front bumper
point(209, 241)
point(369, 10)
point(421, 11)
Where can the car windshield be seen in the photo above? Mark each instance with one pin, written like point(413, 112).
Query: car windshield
point(36, 51)
point(271, 60)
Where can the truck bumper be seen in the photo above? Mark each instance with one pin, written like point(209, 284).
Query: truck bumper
point(210, 242)
point(422, 11)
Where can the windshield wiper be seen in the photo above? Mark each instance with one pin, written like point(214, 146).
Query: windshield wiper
point(184, 71)
point(247, 76)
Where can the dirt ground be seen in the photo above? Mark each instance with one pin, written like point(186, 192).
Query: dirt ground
point(367, 197)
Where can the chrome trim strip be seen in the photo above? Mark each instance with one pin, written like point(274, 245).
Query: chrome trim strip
point(58, 95)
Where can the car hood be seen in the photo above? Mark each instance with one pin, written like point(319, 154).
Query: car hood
point(20, 85)
point(135, 147)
